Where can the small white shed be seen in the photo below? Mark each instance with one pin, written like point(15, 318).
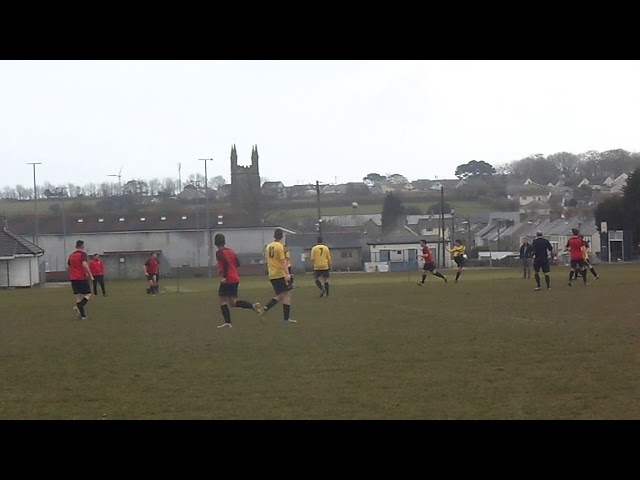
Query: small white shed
point(18, 261)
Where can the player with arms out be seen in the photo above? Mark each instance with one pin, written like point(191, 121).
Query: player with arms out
point(540, 248)
point(459, 256)
point(79, 274)
point(321, 259)
point(574, 246)
point(278, 276)
point(228, 264)
point(429, 263)
point(587, 263)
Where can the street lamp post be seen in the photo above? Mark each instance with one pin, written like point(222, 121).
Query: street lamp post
point(35, 197)
point(453, 224)
point(60, 192)
point(468, 224)
point(197, 185)
point(319, 214)
point(206, 192)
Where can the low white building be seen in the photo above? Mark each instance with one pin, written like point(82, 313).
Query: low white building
point(19, 261)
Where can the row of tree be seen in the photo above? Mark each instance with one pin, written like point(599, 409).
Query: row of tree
point(619, 212)
point(167, 187)
point(565, 166)
point(622, 212)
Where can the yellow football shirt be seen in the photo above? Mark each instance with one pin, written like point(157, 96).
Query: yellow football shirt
point(274, 253)
point(457, 250)
point(321, 257)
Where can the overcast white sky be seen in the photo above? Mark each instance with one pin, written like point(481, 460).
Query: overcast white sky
point(311, 120)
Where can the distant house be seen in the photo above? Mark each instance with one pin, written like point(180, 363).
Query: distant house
point(380, 189)
point(224, 191)
point(346, 250)
point(191, 192)
point(531, 193)
point(18, 260)
point(446, 184)
point(536, 208)
point(618, 184)
point(273, 190)
point(301, 191)
point(356, 188)
point(399, 249)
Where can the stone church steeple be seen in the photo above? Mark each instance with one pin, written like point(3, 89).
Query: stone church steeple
point(245, 185)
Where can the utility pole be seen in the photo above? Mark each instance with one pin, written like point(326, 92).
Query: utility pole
point(197, 184)
point(453, 224)
point(319, 214)
point(60, 191)
point(206, 192)
point(35, 197)
point(442, 224)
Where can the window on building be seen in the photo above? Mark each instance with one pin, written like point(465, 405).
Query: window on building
point(346, 254)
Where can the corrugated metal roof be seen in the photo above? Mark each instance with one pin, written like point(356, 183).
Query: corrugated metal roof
point(78, 224)
point(12, 245)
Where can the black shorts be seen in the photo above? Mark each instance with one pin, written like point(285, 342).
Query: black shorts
point(80, 287)
point(577, 263)
point(280, 285)
point(321, 273)
point(151, 275)
point(541, 264)
point(459, 261)
point(429, 267)
point(228, 289)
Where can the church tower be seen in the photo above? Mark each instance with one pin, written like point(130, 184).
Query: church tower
point(245, 185)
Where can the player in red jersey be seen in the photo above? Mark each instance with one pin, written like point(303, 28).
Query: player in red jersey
point(429, 263)
point(97, 270)
point(228, 264)
point(152, 272)
point(574, 246)
point(79, 274)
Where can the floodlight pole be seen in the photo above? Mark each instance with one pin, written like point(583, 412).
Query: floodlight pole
point(35, 197)
point(319, 214)
point(60, 192)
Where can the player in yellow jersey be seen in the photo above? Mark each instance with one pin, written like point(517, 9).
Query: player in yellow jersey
point(321, 259)
point(287, 255)
point(278, 275)
point(587, 263)
point(459, 256)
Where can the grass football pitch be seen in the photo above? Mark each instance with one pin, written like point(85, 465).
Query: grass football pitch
point(380, 347)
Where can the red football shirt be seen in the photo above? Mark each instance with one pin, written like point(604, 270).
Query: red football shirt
point(96, 266)
point(153, 265)
point(426, 254)
point(574, 244)
point(76, 270)
point(228, 264)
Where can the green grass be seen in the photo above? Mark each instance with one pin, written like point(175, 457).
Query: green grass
point(287, 211)
point(379, 347)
